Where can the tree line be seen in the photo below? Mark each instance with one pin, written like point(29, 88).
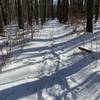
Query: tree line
point(39, 11)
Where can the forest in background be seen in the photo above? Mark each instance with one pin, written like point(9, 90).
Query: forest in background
point(25, 15)
point(49, 49)
point(35, 12)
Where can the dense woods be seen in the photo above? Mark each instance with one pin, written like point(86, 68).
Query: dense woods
point(49, 49)
point(26, 13)
point(30, 11)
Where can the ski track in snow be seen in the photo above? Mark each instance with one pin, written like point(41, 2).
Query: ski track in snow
point(50, 67)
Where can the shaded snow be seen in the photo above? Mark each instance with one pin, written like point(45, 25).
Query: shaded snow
point(51, 67)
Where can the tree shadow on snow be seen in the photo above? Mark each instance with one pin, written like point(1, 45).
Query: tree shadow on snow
point(46, 81)
point(67, 44)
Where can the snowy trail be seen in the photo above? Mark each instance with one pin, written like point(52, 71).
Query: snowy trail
point(52, 63)
point(34, 71)
point(18, 74)
point(53, 79)
point(24, 71)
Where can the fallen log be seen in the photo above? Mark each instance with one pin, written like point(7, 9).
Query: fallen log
point(84, 49)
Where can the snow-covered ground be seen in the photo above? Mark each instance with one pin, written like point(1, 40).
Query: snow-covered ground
point(51, 67)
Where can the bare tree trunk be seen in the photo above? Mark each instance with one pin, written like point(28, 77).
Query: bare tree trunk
point(3, 13)
point(44, 11)
point(97, 10)
point(66, 10)
point(36, 11)
point(30, 11)
point(20, 17)
point(41, 11)
point(48, 10)
point(59, 10)
point(89, 26)
point(1, 24)
point(52, 9)
point(63, 11)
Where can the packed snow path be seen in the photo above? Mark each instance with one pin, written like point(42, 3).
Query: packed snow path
point(52, 68)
